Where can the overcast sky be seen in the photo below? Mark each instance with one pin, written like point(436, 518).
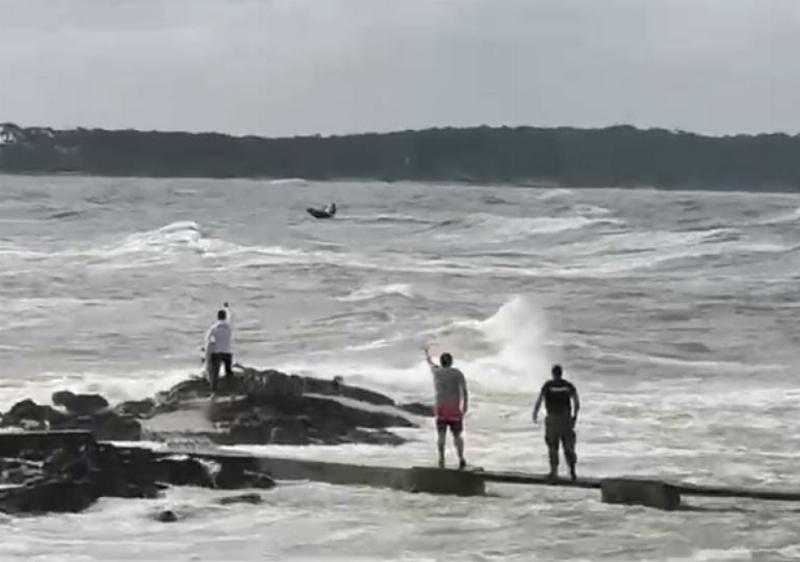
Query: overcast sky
point(285, 67)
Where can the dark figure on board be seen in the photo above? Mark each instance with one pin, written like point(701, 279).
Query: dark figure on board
point(218, 348)
point(559, 397)
point(452, 402)
point(328, 212)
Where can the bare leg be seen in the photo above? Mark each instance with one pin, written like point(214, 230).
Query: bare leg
point(440, 444)
point(459, 442)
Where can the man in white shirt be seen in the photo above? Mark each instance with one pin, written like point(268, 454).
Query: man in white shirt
point(218, 344)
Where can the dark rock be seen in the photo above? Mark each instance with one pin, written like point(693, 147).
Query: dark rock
point(234, 475)
point(105, 426)
point(48, 495)
point(166, 516)
point(336, 387)
point(136, 408)
point(18, 471)
point(274, 409)
point(327, 412)
point(80, 404)
point(259, 426)
point(269, 384)
point(259, 480)
point(127, 473)
point(71, 464)
point(190, 389)
point(418, 409)
point(42, 416)
point(182, 470)
point(240, 498)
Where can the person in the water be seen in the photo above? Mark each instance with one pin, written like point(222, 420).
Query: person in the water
point(452, 402)
point(561, 401)
point(326, 213)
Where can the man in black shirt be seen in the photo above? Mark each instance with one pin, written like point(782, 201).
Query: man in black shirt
point(559, 394)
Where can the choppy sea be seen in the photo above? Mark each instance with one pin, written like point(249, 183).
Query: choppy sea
point(674, 313)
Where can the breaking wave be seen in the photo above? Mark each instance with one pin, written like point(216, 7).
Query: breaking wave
point(404, 290)
point(494, 228)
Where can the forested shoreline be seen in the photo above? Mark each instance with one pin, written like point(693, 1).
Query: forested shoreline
point(621, 156)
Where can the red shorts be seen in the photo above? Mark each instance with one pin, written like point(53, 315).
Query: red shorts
point(448, 411)
point(449, 415)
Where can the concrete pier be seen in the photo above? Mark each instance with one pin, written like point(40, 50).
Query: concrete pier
point(415, 479)
point(629, 490)
point(640, 491)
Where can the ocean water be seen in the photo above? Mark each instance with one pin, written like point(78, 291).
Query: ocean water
point(674, 313)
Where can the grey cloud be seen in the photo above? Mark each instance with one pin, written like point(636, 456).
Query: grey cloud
point(285, 67)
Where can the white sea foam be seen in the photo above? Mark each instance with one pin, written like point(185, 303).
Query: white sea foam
point(496, 228)
point(790, 217)
point(591, 210)
point(555, 193)
point(506, 352)
point(128, 385)
point(371, 292)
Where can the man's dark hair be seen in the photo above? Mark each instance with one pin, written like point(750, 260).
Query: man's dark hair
point(556, 371)
point(221, 315)
point(446, 359)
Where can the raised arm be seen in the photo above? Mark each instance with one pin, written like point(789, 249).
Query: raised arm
point(427, 350)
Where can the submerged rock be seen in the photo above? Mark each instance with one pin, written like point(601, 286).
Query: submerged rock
point(241, 498)
point(166, 516)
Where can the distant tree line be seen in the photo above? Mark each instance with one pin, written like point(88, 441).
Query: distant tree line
point(613, 156)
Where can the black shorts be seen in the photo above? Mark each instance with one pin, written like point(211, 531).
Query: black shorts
point(456, 425)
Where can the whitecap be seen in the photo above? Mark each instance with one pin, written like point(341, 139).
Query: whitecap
point(372, 292)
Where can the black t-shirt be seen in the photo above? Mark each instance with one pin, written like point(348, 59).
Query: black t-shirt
point(557, 395)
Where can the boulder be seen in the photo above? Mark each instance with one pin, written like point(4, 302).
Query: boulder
point(182, 470)
point(48, 495)
point(166, 516)
point(41, 416)
point(127, 473)
point(136, 408)
point(80, 404)
point(260, 427)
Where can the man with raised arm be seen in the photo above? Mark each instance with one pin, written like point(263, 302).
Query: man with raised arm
point(562, 404)
point(218, 347)
point(452, 402)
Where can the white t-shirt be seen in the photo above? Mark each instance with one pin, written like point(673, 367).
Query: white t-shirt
point(220, 337)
